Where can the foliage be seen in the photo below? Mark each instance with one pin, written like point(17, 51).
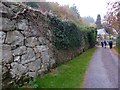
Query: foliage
point(68, 35)
point(92, 37)
point(75, 11)
point(64, 12)
point(32, 4)
point(112, 18)
point(68, 75)
point(118, 43)
point(108, 29)
point(117, 49)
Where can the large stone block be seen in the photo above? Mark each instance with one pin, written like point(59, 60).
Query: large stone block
point(35, 65)
point(27, 33)
point(32, 74)
point(8, 25)
point(28, 57)
point(19, 51)
point(17, 70)
point(43, 50)
point(31, 41)
point(41, 40)
point(34, 30)
point(5, 11)
point(2, 36)
point(4, 70)
point(45, 57)
point(14, 38)
point(3, 8)
point(22, 25)
point(6, 54)
point(44, 53)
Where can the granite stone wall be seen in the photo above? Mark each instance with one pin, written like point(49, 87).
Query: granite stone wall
point(25, 38)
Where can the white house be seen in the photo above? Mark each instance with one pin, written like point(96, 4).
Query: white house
point(101, 31)
point(102, 35)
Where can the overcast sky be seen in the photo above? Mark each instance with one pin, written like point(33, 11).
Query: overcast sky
point(87, 7)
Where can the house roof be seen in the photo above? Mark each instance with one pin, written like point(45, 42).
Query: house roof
point(101, 31)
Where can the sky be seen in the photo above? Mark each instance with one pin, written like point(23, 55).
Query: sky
point(87, 7)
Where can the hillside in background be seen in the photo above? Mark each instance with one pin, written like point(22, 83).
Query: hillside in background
point(64, 12)
point(89, 19)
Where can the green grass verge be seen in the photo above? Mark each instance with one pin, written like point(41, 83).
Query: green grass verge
point(117, 49)
point(68, 75)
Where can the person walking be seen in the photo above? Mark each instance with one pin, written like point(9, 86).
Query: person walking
point(105, 43)
point(102, 44)
point(110, 44)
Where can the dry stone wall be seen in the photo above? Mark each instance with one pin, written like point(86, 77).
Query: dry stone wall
point(25, 38)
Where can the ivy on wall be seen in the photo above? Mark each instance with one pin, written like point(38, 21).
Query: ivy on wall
point(67, 35)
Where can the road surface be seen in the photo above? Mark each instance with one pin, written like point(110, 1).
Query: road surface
point(103, 70)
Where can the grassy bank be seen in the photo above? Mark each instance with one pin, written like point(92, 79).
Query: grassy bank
point(117, 49)
point(68, 75)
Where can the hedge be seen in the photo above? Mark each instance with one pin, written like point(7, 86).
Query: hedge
point(118, 43)
point(67, 35)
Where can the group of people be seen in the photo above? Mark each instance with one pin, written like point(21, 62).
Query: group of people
point(104, 43)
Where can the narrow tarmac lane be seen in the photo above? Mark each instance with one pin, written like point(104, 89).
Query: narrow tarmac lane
point(103, 70)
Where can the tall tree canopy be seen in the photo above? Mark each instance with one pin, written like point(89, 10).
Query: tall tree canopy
point(112, 18)
point(98, 22)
